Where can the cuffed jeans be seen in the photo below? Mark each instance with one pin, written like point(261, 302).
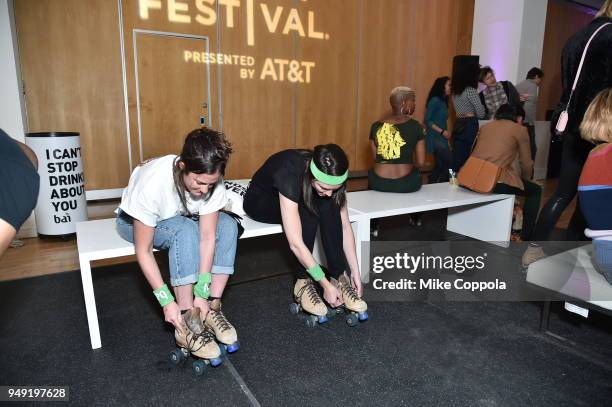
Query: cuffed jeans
point(180, 235)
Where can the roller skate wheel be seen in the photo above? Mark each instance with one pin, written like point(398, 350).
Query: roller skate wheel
point(215, 362)
point(363, 316)
point(223, 349)
point(311, 321)
point(294, 308)
point(176, 356)
point(322, 319)
point(198, 367)
point(233, 347)
point(352, 320)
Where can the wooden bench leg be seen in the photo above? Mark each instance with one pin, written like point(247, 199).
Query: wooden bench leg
point(90, 304)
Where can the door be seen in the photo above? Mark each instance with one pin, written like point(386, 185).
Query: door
point(172, 89)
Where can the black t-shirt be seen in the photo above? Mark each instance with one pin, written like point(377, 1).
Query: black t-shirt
point(20, 183)
point(283, 172)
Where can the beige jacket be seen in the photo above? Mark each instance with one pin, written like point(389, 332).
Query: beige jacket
point(501, 142)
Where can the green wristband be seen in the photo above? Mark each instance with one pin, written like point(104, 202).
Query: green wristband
point(316, 272)
point(163, 295)
point(201, 288)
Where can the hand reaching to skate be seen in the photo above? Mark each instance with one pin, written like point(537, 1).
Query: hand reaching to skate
point(332, 295)
point(356, 281)
point(172, 315)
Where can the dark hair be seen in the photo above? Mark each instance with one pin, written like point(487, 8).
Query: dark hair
point(437, 89)
point(534, 72)
point(464, 76)
point(205, 151)
point(509, 112)
point(332, 160)
point(484, 71)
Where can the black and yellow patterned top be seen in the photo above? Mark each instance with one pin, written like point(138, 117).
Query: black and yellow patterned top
point(395, 143)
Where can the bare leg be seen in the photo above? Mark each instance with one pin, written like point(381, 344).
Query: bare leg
point(184, 296)
point(219, 281)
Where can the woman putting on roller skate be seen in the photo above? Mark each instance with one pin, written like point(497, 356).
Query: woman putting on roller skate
point(306, 190)
point(173, 203)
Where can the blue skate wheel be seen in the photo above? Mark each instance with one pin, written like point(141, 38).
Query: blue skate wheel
point(323, 319)
point(233, 347)
point(198, 367)
point(363, 316)
point(215, 362)
point(176, 356)
point(311, 321)
point(294, 308)
point(352, 320)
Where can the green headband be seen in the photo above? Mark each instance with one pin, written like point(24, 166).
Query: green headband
point(326, 178)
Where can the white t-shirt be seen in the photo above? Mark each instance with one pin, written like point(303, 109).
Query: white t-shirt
point(151, 196)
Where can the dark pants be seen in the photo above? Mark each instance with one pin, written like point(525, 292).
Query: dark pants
point(533, 196)
point(532, 143)
point(464, 135)
point(442, 155)
point(575, 152)
point(265, 208)
point(408, 183)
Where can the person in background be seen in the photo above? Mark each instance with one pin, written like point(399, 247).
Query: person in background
point(596, 76)
point(501, 142)
point(394, 140)
point(469, 109)
point(496, 93)
point(528, 89)
point(595, 184)
point(436, 118)
point(18, 189)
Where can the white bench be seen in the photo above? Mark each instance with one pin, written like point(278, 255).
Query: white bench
point(481, 216)
point(486, 217)
point(572, 275)
point(98, 239)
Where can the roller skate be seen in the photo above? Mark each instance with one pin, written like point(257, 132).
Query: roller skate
point(308, 300)
point(198, 341)
point(354, 307)
point(223, 329)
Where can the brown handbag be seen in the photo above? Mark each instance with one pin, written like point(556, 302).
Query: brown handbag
point(479, 175)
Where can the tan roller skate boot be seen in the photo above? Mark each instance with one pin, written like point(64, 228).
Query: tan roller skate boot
point(354, 305)
point(223, 329)
point(532, 254)
point(197, 340)
point(307, 297)
point(351, 300)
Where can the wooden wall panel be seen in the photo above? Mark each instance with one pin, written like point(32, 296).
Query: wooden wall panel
point(563, 19)
point(325, 108)
point(258, 112)
point(163, 20)
point(383, 64)
point(71, 65)
point(372, 47)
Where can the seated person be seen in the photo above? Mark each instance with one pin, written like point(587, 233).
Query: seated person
point(394, 140)
point(19, 187)
point(595, 184)
point(501, 142)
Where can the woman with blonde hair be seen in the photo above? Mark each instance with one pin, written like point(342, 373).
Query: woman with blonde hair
point(395, 138)
point(595, 184)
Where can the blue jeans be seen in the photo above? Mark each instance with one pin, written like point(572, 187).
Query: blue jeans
point(181, 237)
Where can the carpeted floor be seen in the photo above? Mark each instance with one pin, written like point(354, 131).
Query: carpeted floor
point(408, 353)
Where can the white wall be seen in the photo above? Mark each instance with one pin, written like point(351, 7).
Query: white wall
point(12, 113)
point(509, 35)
